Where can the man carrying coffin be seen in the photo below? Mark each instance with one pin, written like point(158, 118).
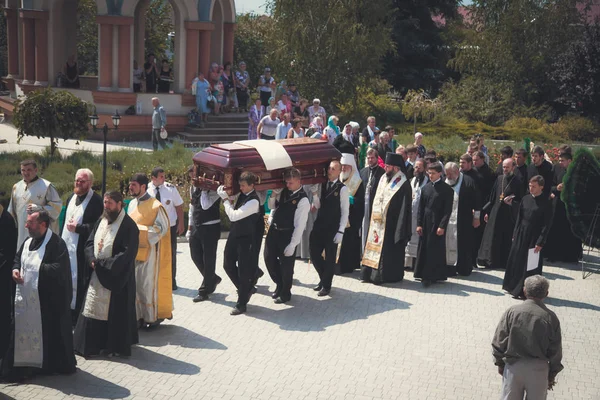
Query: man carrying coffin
point(465, 217)
point(349, 250)
point(390, 228)
point(42, 339)
point(417, 183)
point(108, 322)
point(30, 192)
point(500, 214)
point(153, 278)
point(529, 237)
point(289, 213)
point(84, 208)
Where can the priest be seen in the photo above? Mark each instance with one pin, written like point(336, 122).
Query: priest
point(562, 244)
point(390, 228)
point(417, 183)
point(349, 253)
point(33, 191)
point(84, 208)
point(465, 218)
point(108, 321)
point(435, 208)
point(370, 176)
point(154, 282)
point(41, 335)
point(542, 167)
point(529, 238)
point(500, 214)
point(8, 248)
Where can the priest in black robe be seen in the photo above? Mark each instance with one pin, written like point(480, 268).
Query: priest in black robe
point(500, 214)
point(42, 274)
point(465, 218)
point(562, 244)
point(485, 178)
point(8, 248)
point(435, 209)
point(349, 250)
point(521, 169)
point(540, 166)
point(391, 225)
point(531, 231)
point(370, 175)
point(84, 208)
point(107, 323)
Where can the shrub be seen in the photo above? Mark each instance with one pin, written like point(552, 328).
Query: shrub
point(575, 128)
point(524, 123)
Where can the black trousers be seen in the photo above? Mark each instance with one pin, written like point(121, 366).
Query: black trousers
point(239, 267)
point(280, 267)
point(203, 249)
point(256, 245)
point(264, 98)
point(319, 241)
point(174, 252)
point(242, 96)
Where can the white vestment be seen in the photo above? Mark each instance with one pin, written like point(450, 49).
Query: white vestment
point(146, 272)
point(29, 343)
point(74, 214)
point(39, 192)
point(97, 299)
point(413, 244)
point(452, 228)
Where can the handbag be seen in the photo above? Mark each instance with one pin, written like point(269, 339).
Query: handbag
point(210, 101)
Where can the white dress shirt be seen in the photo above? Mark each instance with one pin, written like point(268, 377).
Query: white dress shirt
point(207, 199)
point(300, 217)
point(344, 204)
point(169, 198)
point(246, 210)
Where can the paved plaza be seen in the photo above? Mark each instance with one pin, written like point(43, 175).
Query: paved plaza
point(397, 341)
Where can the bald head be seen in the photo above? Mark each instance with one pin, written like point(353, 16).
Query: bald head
point(508, 166)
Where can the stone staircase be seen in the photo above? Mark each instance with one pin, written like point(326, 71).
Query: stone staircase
point(225, 128)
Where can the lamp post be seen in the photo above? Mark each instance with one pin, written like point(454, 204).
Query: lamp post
point(116, 119)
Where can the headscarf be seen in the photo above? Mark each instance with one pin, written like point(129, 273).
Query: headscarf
point(332, 125)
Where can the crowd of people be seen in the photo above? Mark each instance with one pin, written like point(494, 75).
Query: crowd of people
point(107, 272)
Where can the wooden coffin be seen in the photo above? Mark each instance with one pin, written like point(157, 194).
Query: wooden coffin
point(222, 164)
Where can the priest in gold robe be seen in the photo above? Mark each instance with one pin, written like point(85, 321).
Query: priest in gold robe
point(154, 296)
point(30, 192)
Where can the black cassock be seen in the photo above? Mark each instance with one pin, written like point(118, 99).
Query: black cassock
point(562, 244)
point(484, 180)
point(545, 170)
point(91, 215)
point(8, 248)
point(55, 293)
point(469, 199)
point(349, 259)
point(398, 230)
point(531, 229)
point(117, 274)
point(435, 208)
point(497, 237)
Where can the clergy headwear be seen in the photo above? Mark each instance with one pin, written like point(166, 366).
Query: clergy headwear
point(345, 147)
point(394, 159)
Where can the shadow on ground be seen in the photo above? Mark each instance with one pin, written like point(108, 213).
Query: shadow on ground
point(177, 335)
point(82, 384)
point(148, 360)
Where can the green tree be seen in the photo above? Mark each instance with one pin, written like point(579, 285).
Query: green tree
point(87, 37)
point(251, 43)
point(51, 114)
point(418, 105)
point(329, 47)
point(158, 26)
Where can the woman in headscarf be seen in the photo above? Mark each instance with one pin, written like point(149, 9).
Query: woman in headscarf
point(257, 111)
point(202, 91)
point(271, 105)
point(316, 128)
point(332, 130)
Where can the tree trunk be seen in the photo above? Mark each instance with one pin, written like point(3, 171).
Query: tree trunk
point(52, 145)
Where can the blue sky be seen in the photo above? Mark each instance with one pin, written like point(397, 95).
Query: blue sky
point(258, 6)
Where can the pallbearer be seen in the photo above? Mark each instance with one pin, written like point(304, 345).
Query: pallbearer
point(42, 339)
point(30, 192)
point(390, 228)
point(153, 278)
point(238, 263)
point(289, 213)
point(108, 322)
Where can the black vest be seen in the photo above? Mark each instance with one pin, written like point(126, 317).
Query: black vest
point(286, 209)
point(330, 212)
point(246, 226)
point(201, 216)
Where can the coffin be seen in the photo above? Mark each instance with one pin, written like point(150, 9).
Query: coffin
point(222, 164)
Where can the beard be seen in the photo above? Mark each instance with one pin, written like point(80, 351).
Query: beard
point(34, 234)
point(451, 182)
point(390, 175)
point(508, 174)
point(110, 215)
point(344, 176)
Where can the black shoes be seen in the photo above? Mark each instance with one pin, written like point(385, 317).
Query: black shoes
point(237, 311)
point(200, 297)
point(318, 288)
point(426, 283)
point(323, 292)
point(281, 300)
point(175, 286)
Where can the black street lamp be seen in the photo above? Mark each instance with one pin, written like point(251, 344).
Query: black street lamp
point(116, 119)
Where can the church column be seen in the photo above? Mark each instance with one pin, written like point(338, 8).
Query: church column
point(125, 63)
point(28, 51)
point(12, 33)
point(105, 57)
point(204, 56)
point(191, 54)
point(41, 50)
point(228, 29)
